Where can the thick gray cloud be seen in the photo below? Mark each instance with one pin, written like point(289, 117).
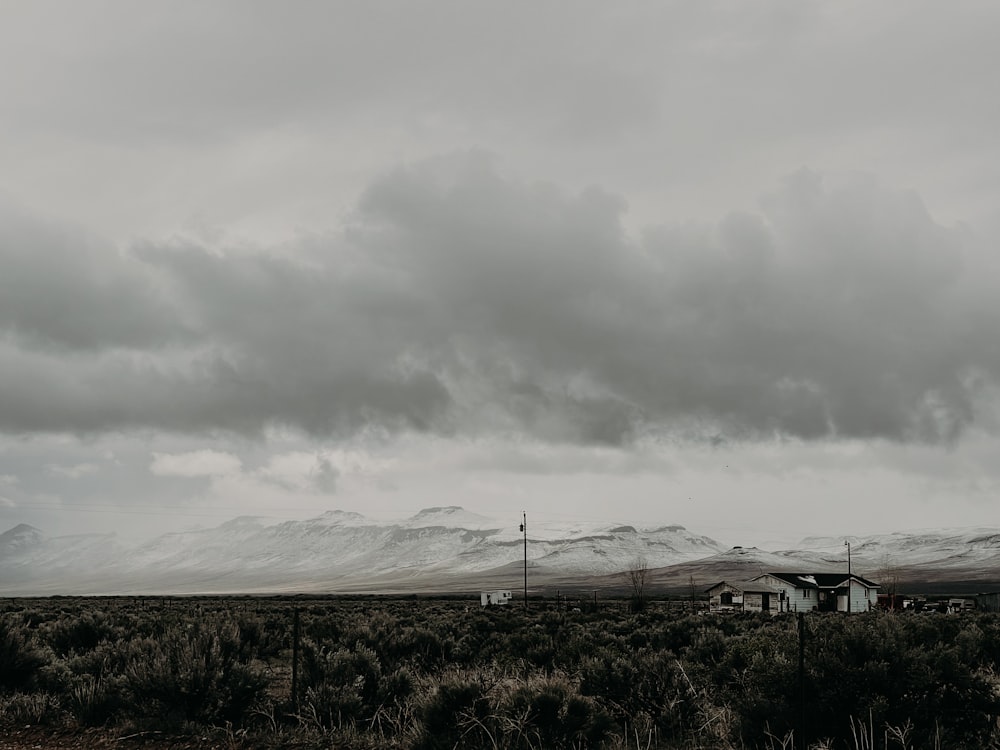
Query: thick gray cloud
point(461, 301)
point(63, 289)
point(842, 311)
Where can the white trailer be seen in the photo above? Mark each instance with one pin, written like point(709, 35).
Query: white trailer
point(489, 598)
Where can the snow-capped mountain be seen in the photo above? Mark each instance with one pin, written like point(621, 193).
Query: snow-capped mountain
point(973, 550)
point(26, 546)
point(19, 539)
point(451, 549)
point(333, 550)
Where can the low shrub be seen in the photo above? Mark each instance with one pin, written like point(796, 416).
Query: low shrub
point(20, 659)
point(198, 674)
point(341, 687)
point(73, 634)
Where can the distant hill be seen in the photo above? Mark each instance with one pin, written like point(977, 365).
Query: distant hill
point(442, 547)
point(448, 549)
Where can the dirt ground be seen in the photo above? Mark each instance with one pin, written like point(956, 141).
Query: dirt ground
point(37, 737)
point(48, 738)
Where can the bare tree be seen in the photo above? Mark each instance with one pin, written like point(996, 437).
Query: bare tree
point(888, 578)
point(637, 575)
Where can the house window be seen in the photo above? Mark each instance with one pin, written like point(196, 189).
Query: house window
point(806, 594)
point(726, 598)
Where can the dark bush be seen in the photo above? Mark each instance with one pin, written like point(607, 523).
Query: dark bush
point(899, 670)
point(195, 674)
point(20, 660)
point(341, 687)
point(78, 633)
point(455, 714)
point(553, 715)
point(95, 701)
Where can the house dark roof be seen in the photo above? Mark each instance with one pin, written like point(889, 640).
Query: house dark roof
point(820, 580)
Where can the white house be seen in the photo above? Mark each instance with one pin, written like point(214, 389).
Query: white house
point(824, 592)
point(795, 592)
point(488, 598)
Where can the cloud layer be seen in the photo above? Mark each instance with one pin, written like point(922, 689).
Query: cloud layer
point(460, 301)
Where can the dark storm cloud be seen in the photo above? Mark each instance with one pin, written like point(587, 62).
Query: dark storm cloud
point(842, 312)
point(460, 301)
point(60, 288)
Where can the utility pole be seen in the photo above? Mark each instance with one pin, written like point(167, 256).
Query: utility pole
point(524, 529)
point(848, 576)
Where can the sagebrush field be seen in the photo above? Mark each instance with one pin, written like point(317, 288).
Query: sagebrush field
point(429, 673)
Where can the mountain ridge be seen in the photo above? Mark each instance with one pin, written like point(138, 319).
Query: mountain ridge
point(448, 548)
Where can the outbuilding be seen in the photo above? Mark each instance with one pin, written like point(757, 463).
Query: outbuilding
point(491, 598)
point(743, 596)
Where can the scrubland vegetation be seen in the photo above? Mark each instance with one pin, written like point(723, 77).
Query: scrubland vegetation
point(378, 673)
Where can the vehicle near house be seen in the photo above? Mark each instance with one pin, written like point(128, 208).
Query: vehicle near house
point(893, 602)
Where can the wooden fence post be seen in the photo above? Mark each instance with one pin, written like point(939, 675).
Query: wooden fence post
point(802, 680)
point(295, 660)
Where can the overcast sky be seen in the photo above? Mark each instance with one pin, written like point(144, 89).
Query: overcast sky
point(727, 265)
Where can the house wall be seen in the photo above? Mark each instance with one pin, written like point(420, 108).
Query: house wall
point(715, 597)
point(753, 601)
point(715, 602)
point(807, 599)
point(862, 598)
point(800, 600)
point(796, 599)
